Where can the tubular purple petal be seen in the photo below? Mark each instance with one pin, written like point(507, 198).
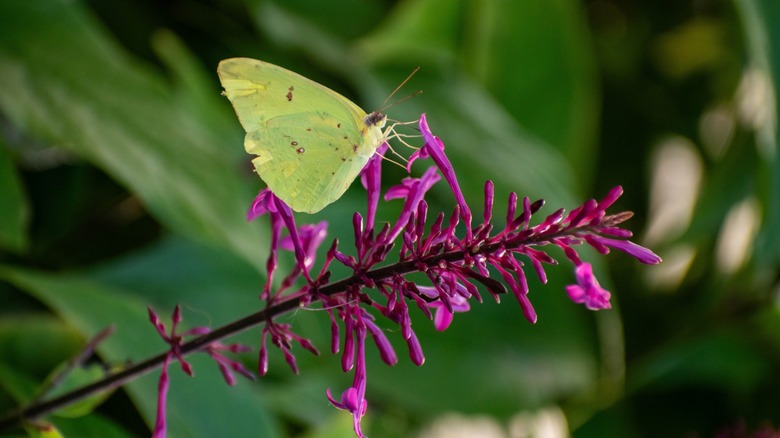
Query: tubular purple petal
point(570, 252)
point(386, 351)
point(511, 210)
point(371, 177)
point(539, 269)
point(582, 214)
point(290, 359)
point(415, 350)
point(598, 246)
point(176, 317)
point(442, 318)
point(548, 222)
point(615, 232)
point(587, 290)
point(310, 237)
point(640, 253)
point(289, 221)
point(334, 335)
point(435, 149)
point(488, 213)
point(158, 325)
point(225, 371)
point(417, 188)
point(262, 360)
point(259, 205)
point(528, 309)
point(610, 198)
point(162, 398)
point(307, 345)
point(348, 356)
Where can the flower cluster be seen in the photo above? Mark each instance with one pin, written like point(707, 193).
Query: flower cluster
point(455, 255)
point(175, 341)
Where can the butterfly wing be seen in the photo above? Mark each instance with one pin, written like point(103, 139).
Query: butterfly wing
point(310, 141)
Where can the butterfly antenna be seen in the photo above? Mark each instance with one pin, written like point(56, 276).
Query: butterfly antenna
point(384, 107)
point(403, 99)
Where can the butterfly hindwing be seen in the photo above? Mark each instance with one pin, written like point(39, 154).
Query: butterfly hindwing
point(311, 163)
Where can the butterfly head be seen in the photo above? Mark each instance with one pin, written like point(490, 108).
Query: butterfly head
point(375, 119)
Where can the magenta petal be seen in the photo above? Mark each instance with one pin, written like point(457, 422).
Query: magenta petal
point(259, 206)
point(162, 396)
point(640, 253)
point(415, 350)
point(435, 148)
point(611, 197)
point(587, 290)
point(442, 319)
point(386, 351)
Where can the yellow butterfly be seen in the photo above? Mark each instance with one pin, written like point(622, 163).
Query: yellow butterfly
point(310, 141)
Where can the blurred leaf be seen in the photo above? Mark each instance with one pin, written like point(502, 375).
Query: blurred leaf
point(67, 82)
point(94, 425)
point(20, 386)
point(31, 346)
point(215, 285)
point(536, 58)
point(75, 378)
point(424, 31)
point(359, 14)
point(197, 93)
point(719, 359)
point(761, 24)
point(14, 214)
point(338, 425)
point(43, 430)
point(192, 405)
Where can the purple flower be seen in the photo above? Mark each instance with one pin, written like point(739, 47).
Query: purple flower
point(443, 317)
point(455, 257)
point(434, 148)
point(310, 238)
point(371, 178)
point(175, 341)
point(353, 399)
point(587, 290)
point(638, 252)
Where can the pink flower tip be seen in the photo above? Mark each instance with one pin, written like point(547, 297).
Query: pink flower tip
point(587, 290)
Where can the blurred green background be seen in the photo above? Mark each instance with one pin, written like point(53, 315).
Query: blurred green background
point(123, 184)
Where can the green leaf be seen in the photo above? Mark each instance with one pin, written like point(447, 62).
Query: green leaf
point(718, 359)
point(14, 215)
point(75, 378)
point(67, 82)
point(536, 58)
point(31, 346)
point(761, 21)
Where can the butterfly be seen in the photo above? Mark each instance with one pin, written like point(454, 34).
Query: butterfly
point(310, 142)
